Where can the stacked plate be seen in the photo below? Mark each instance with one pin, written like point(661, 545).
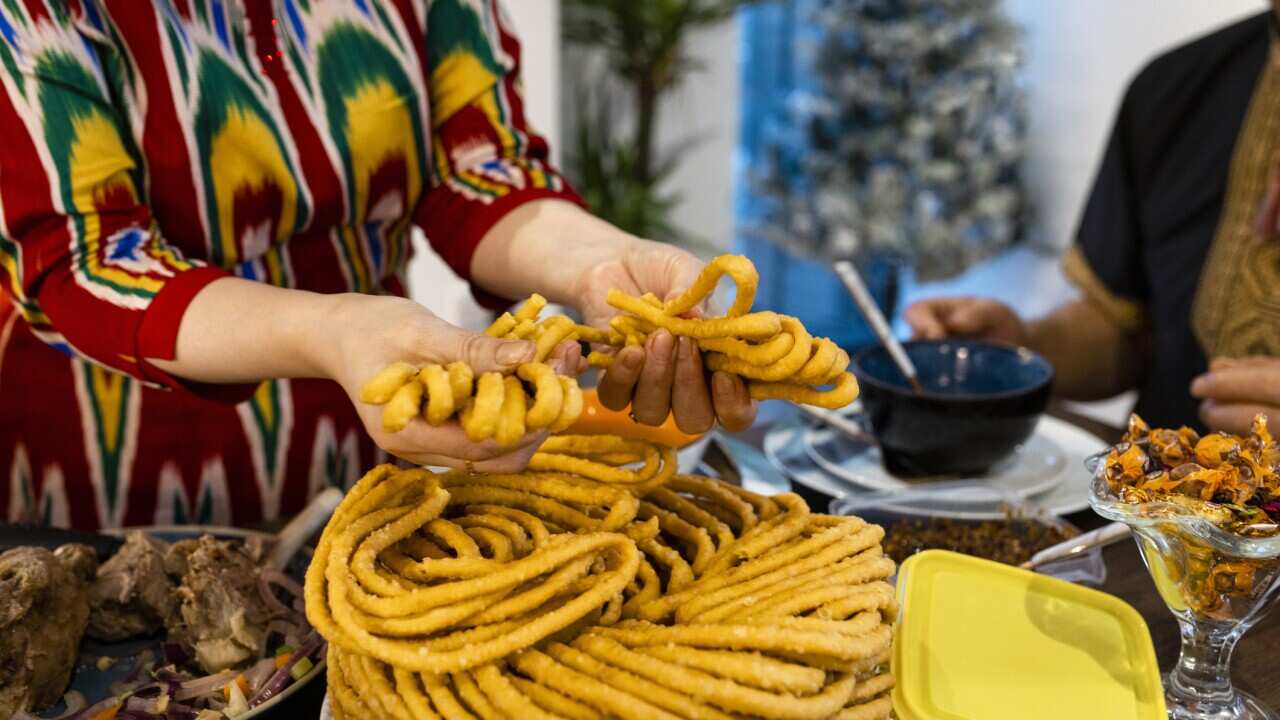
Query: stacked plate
point(1047, 470)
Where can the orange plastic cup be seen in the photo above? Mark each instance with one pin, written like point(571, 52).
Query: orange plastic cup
point(596, 419)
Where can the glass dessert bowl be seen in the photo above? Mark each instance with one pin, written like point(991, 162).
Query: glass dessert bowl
point(1214, 563)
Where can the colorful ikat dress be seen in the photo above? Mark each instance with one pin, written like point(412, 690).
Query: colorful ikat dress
point(149, 147)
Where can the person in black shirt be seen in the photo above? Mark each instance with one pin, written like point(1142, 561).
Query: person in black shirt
point(1175, 255)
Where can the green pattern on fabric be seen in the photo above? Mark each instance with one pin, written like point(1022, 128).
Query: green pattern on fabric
point(222, 89)
point(180, 58)
point(11, 66)
point(70, 94)
point(348, 58)
point(109, 446)
point(454, 27)
point(268, 420)
point(386, 24)
point(131, 80)
point(300, 69)
point(335, 467)
point(16, 10)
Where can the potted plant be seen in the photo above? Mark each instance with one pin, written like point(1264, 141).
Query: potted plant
point(643, 48)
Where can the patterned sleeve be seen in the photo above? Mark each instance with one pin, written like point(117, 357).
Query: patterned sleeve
point(486, 160)
point(83, 260)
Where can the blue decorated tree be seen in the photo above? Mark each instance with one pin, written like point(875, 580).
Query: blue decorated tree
point(902, 135)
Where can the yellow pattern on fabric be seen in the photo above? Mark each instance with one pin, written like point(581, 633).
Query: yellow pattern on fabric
point(378, 130)
point(1237, 305)
point(99, 165)
point(263, 401)
point(245, 158)
point(108, 390)
point(459, 80)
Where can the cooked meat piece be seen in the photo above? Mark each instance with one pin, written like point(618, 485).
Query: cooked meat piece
point(132, 595)
point(79, 559)
point(219, 615)
point(257, 547)
point(44, 607)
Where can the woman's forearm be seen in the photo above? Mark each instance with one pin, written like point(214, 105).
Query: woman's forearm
point(238, 330)
point(545, 246)
point(1092, 358)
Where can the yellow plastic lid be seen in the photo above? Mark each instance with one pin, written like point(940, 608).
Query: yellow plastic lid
point(979, 640)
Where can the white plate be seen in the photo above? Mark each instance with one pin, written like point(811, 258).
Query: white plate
point(785, 447)
point(689, 457)
point(1035, 467)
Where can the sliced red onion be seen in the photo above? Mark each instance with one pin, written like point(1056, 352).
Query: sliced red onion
point(282, 679)
point(137, 715)
point(258, 674)
point(151, 691)
point(125, 687)
point(177, 711)
point(286, 629)
point(95, 709)
point(269, 597)
point(137, 704)
point(291, 586)
point(204, 686)
point(266, 579)
point(174, 653)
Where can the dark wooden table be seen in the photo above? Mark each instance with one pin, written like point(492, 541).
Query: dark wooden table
point(1255, 668)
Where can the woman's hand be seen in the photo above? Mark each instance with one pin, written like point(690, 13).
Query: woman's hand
point(1236, 389)
point(666, 376)
point(969, 317)
point(371, 332)
point(558, 249)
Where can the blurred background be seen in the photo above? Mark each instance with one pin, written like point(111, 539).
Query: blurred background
point(944, 145)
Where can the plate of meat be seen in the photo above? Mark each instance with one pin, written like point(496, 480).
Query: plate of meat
point(174, 623)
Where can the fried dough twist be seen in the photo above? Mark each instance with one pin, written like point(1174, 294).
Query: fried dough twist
point(601, 594)
point(503, 408)
point(774, 353)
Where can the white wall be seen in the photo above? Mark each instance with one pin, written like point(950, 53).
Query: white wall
point(706, 107)
point(537, 24)
point(1080, 57)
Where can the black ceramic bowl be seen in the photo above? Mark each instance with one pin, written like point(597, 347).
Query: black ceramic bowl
point(981, 400)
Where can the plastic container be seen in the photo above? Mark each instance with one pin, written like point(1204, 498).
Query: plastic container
point(971, 501)
point(979, 639)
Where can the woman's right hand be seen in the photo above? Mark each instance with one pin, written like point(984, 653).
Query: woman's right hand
point(968, 317)
point(369, 332)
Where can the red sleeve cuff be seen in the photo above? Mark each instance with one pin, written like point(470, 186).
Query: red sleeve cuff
point(157, 336)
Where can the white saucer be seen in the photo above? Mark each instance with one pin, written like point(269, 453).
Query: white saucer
point(1035, 467)
point(784, 445)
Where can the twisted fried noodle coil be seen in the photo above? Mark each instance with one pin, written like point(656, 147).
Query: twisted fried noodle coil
point(547, 594)
point(497, 407)
point(773, 353)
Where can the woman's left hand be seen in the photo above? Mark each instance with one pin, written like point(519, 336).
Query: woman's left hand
point(666, 375)
point(1236, 389)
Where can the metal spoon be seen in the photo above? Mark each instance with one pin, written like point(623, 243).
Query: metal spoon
point(848, 275)
point(303, 526)
point(840, 423)
point(1102, 537)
